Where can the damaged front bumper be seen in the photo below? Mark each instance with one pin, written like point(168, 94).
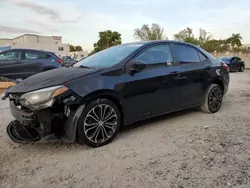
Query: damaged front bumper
point(30, 126)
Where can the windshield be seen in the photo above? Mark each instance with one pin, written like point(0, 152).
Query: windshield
point(108, 57)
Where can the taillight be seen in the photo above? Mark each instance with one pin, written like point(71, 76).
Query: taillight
point(225, 66)
point(59, 61)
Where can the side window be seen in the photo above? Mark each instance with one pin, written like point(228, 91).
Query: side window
point(186, 54)
point(11, 55)
point(156, 56)
point(233, 60)
point(203, 58)
point(32, 55)
point(238, 59)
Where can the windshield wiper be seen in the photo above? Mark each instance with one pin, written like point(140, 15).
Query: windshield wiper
point(83, 66)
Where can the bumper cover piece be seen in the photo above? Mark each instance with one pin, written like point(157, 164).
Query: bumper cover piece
point(22, 134)
point(25, 118)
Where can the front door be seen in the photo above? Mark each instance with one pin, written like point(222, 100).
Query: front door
point(153, 90)
point(233, 63)
point(239, 63)
point(10, 64)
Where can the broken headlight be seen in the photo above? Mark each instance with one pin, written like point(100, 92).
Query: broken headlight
point(43, 98)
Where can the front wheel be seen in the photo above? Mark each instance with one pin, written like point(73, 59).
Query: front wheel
point(213, 99)
point(99, 123)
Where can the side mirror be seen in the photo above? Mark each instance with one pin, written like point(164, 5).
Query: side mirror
point(136, 66)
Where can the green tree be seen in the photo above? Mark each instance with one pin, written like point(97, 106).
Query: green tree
point(235, 40)
point(204, 37)
point(216, 45)
point(72, 48)
point(186, 35)
point(155, 32)
point(107, 39)
point(78, 48)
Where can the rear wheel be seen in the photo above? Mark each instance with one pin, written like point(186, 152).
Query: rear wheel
point(99, 123)
point(213, 99)
point(242, 68)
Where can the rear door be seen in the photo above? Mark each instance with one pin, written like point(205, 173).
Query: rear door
point(10, 62)
point(194, 72)
point(35, 61)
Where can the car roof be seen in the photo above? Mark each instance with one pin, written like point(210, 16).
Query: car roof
point(158, 41)
point(229, 57)
point(29, 50)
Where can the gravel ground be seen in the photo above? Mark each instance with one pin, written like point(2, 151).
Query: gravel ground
point(185, 149)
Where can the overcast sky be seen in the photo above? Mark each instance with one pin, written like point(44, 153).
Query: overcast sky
point(79, 21)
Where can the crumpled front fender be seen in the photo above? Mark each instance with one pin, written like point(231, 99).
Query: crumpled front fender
point(70, 126)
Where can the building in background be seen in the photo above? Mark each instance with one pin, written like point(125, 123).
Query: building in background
point(247, 46)
point(38, 42)
point(4, 41)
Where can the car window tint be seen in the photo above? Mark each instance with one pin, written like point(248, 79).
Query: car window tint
point(157, 55)
point(203, 58)
point(35, 55)
point(238, 59)
point(10, 55)
point(186, 54)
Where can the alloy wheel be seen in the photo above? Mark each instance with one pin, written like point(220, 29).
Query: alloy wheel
point(100, 123)
point(215, 99)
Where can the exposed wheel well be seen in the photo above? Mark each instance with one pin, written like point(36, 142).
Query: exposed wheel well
point(220, 83)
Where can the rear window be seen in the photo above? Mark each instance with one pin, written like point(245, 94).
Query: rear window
point(203, 58)
point(66, 58)
point(32, 55)
point(186, 54)
point(51, 54)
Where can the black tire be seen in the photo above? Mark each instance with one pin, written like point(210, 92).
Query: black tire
point(242, 68)
point(82, 131)
point(209, 104)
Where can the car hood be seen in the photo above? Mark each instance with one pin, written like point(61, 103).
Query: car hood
point(50, 78)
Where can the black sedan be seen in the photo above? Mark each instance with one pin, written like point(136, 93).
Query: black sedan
point(116, 87)
point(234, 63)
